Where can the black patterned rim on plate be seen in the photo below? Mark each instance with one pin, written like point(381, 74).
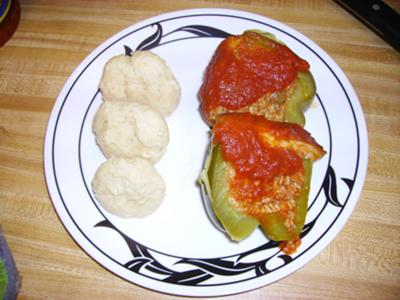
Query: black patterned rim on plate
point(215, 271)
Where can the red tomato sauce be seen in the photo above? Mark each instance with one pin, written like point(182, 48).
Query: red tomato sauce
point(255, 162)
point(246, 67)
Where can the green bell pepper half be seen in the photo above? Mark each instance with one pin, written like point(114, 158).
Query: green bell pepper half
point(237, 224)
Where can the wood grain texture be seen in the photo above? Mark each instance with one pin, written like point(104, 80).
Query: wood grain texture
point(363, 262)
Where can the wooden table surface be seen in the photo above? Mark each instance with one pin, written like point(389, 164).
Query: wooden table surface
point(362, 262)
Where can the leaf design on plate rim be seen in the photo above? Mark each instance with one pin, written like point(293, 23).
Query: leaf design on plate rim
point(153, 40)
point(128, 50)
point(219, 266)
point(191, 277)
point(204, 31)
point(137, 263)
point(349, 182)
point(330, 188)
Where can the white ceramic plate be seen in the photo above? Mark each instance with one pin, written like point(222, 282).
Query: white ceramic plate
point(177, 250)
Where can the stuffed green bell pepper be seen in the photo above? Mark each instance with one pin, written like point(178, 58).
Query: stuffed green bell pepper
point(258, 174)
point(253, 72)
